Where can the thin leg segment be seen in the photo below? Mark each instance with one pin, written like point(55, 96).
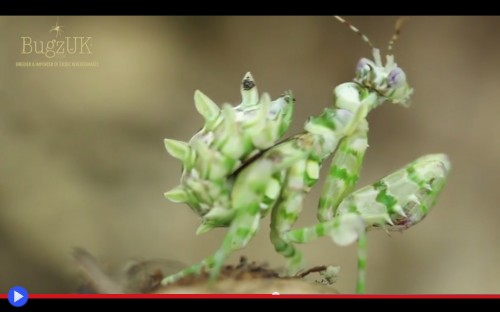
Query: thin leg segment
point(344, 230)
point(242, 229)
point(240, 233)
point(299, 178)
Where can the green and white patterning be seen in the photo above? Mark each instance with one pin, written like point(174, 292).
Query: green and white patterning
point(237, 169)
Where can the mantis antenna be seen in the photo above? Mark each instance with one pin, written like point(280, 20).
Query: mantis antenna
point(394, 38)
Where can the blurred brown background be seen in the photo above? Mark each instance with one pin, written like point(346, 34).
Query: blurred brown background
point(82, 161)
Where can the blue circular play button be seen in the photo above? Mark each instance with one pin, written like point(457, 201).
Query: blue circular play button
point(18, 296)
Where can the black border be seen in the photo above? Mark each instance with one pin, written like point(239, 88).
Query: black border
point(78, 7)
point(272, 304)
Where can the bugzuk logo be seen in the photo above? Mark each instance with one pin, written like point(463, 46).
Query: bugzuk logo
point(62, 51)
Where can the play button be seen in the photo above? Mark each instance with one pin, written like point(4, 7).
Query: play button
point(18, 296)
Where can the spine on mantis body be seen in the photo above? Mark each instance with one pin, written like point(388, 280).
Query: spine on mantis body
point(230, 137)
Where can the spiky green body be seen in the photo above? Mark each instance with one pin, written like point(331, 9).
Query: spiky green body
point(235, 170)
point(229, 138)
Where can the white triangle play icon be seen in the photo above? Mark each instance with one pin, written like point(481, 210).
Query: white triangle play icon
point(17, 296)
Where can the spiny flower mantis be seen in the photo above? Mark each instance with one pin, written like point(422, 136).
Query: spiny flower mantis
point(237, 170)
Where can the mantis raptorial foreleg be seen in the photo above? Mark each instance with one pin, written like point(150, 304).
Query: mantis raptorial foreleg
point(344, 171)
point(394, 203)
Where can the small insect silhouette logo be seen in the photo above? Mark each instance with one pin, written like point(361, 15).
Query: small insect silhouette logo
point(57, 29)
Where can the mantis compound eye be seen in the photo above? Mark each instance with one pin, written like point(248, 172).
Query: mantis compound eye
point(396, 78)
point(363, 67)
